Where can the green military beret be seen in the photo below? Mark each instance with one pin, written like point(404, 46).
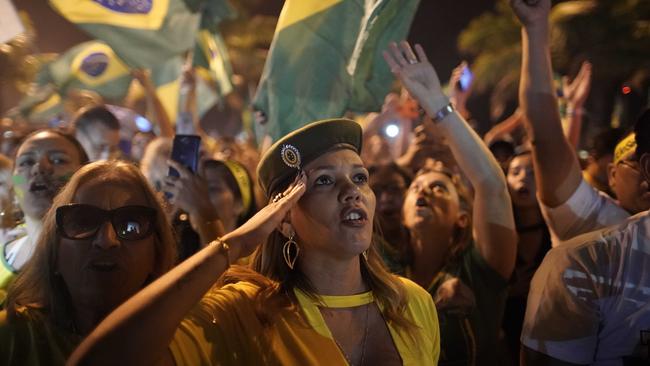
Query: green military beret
point(288, 155)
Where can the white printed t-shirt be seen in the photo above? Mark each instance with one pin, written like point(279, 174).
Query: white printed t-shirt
point(586, 210)
point(589, 301)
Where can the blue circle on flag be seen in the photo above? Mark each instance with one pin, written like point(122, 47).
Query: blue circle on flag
point(95, 64)
point(127, 6)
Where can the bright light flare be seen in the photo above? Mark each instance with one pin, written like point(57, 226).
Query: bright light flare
point(392, 130)
point(143, 124)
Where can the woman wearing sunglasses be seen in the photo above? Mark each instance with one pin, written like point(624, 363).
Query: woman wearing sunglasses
point(104, 239)
point(319, 293)
point(44, 162)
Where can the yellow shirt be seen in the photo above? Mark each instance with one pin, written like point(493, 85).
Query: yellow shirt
point(31, 340)
point(224, 329)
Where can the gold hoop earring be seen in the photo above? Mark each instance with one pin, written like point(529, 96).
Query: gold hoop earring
point(290, 250)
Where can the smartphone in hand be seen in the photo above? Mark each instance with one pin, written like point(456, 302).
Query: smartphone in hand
point(185, 151)
point(465, 80)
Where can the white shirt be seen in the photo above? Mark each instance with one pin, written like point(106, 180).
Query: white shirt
point(586, 210)
point(589, 301)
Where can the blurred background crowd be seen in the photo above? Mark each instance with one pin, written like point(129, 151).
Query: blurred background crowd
point(78, 88)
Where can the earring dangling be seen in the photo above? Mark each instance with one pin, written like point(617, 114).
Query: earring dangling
point(290, 250)
point(365, 254)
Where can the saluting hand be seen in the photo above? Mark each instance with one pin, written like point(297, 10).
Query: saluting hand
point(257, 229)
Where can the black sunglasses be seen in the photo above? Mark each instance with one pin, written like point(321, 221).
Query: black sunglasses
point(79, 221)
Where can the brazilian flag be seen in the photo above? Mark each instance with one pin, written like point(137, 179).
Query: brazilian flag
point(211, 61)
point(89, 66)
point(142, 32)
point(42, 104)
point(325, 59)
point(167, 79)
point(210, 57)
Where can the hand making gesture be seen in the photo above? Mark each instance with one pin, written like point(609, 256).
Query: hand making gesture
point(417, 75)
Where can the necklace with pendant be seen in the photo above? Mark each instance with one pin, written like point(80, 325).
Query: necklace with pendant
point(363, 343)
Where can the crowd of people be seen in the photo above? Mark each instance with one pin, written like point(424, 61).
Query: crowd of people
point(337, 244)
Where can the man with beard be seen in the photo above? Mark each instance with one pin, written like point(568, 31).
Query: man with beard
point(44, 162)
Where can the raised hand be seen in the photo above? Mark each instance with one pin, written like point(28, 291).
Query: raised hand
point(189, 76)
point(577, 91)
point(189, 192)
point(417, 75)
point(458, 96)
point(532, 14)
point(455, 297)
point(143, 76)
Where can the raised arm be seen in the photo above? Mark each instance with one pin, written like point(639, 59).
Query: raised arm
point(160, 115)
point(494, 226)
point(557, 170)
point(576, 93)
point(189, 193)
point(139, 331)
point(457, 95)
point(504, 127)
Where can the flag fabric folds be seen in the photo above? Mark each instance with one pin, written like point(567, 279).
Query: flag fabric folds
point(41, 105)
point(90, 66)
point(212, 62)
point(325, 59)
point(167, 79)
point(206, 98)
point(142, 32)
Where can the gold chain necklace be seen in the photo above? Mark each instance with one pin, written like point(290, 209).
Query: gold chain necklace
point(363, 343)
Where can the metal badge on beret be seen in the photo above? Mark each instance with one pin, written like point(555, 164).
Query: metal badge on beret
point(290, 156)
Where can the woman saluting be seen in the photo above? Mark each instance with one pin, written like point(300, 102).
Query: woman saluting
point(317, 292)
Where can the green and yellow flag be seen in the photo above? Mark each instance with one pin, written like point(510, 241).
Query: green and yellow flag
point(142, 32)
point(212, 62)
point(325, 59)
point(210, 58)
point(42, 104)
point(206, 98)
point(89, 66)
point(167, 79)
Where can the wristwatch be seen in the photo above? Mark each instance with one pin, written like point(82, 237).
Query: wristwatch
point(442, 113)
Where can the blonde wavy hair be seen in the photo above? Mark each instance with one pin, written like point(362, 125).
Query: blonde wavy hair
point(277, 282)
point(38, 287)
